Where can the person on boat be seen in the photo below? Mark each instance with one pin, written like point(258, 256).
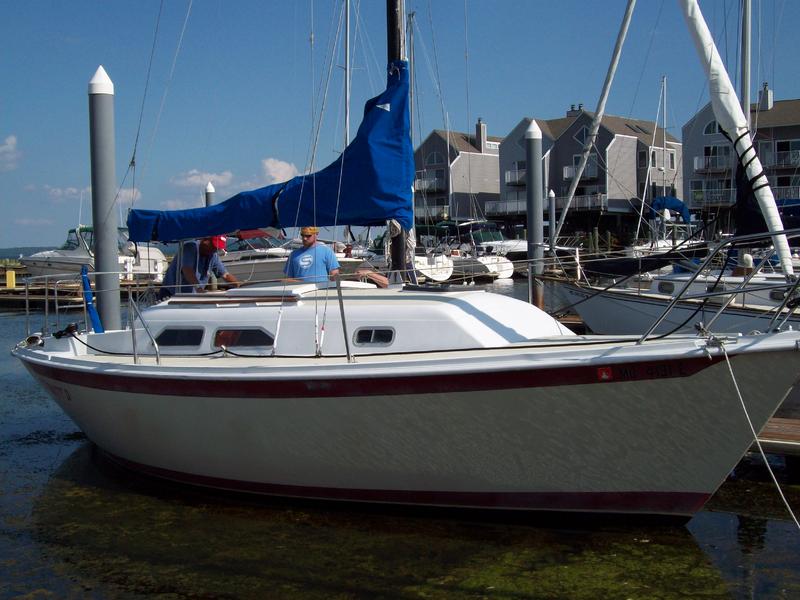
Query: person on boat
point(314, 262)
point(199, 259)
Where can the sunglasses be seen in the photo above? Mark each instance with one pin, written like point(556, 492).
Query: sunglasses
point(308, 235)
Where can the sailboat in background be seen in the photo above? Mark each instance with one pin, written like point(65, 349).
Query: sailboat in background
point(729, 300)
point(408, 394)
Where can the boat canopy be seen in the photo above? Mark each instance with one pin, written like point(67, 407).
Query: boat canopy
point(370, 183)
point(671, 203)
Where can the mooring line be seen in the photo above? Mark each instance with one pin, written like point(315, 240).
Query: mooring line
point(758, 442)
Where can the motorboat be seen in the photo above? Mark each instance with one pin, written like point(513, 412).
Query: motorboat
point(256, 256)
point(136, 261)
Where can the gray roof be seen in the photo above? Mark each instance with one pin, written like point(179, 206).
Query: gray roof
point(463, 142)
point(782, 113)
point(638, 128)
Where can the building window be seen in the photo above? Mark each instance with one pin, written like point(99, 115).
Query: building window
point(712, 128)
point(175, 336)
point(582, 135)
point(642, 159)
point(434, 158)
point(520, 165)
point(492, 145)
point(787, 180)
point(672, 159)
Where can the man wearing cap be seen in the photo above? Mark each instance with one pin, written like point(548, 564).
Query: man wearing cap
point(312, 263)
point(198, 260)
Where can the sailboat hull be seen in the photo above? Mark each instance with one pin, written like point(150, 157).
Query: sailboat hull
point(631, 432)
point(631, 313)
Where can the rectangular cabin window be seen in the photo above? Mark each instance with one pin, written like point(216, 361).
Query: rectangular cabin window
point(374, 336)
point(180, 337)
point(242, 338)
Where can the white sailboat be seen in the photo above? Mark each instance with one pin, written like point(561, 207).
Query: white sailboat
point(407, 395)
point(632, 310)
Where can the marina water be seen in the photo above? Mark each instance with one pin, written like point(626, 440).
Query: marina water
point(74, 525)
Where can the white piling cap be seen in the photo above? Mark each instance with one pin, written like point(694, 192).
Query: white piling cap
point(533, 132)
point(101, 83)
point(210, 188)
point(551, 194)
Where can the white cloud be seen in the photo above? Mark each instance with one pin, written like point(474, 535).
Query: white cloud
point(63, 194)
point(128, 195)
point(28, 222)
point(277, 171)
point(198, 179)
point(180, 204)
point(9, 155)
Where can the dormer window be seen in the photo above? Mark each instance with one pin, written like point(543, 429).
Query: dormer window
point(581, 135)
point(712, 128)
point(434, 158)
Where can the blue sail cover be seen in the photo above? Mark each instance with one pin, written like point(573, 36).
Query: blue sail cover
point(369, 183)
point(672, 203)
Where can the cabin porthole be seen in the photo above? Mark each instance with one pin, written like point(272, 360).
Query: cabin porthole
point(373, 336)
point(666, 287)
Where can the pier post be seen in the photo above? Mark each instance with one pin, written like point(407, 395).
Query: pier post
point(104, 210)
point(535, 209)
point(210, 193)
point(551, 207)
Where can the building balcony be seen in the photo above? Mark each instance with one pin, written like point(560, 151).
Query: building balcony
point(432, 184)
point(727, 196)
point(516, 177)
point(786, 192)
point(713, 198)
point(712, 163)
point(789, 159)
point(584, 203)
point(505, 207)
point(590, 172)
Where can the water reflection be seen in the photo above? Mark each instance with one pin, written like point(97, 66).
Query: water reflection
point(104, 526)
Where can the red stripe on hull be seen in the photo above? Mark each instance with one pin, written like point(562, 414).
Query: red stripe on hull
point(644, 503)
point(373, 386)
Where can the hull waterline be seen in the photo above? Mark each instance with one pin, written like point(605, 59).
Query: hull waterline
point(619, 437)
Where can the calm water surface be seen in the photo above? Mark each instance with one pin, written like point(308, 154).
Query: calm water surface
point(72, 525)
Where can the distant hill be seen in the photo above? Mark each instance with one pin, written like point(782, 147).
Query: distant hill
point(22, 251)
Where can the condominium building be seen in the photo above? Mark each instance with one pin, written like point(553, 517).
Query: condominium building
point(457, 174)
point(710, 171)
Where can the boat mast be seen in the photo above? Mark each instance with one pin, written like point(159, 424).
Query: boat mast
point(746, 61)
point(731, 119)
point(395, 47)
point(598, 115)
point(664, 136)
point(346, 72)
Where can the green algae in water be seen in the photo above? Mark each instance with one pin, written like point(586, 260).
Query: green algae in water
point(111, 531)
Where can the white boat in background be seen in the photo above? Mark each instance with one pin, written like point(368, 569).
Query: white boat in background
point(257, 257)
point(408, 394)
point(136, 261)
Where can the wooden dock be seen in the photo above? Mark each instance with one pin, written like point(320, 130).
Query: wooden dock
point(781, 436)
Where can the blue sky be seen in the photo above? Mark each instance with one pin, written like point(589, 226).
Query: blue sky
point(234, 104)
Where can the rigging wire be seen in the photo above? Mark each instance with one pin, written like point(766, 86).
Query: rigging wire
point(168, 84)
point(755, 437)
point(132, 163)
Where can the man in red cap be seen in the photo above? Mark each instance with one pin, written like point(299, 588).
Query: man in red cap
point(198, 260)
